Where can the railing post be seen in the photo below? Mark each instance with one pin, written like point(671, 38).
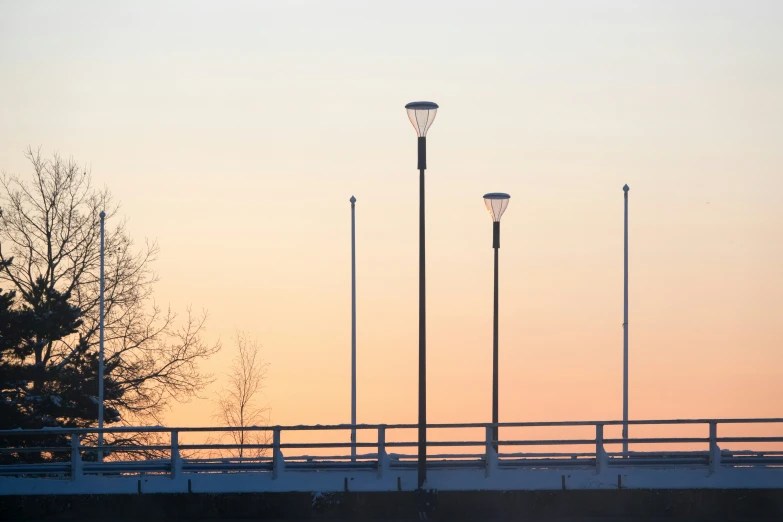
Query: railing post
point(601, 458)
point(714, 449)
point(278, 462)
point(383, 459)
point(176, 460)
point(490, 454)
point(76, 457)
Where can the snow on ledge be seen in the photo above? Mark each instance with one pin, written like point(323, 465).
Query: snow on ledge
point(442, 480)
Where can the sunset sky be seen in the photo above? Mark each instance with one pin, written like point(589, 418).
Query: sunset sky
point(235, 133)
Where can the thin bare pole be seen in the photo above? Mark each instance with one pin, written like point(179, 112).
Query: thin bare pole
point(353, 328)
point(625, 327)
point(101, 355)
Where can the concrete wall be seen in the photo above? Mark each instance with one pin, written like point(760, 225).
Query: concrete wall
point(477, 506)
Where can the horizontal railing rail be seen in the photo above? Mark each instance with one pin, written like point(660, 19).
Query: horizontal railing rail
point(332, 427)
point(166, 453)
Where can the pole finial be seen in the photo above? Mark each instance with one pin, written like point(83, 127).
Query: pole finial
point(353, 200)
point(626, 188)
point(102, 214)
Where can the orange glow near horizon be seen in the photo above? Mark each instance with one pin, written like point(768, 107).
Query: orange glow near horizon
point(236, 135)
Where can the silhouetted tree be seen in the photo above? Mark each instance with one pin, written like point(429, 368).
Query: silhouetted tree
point(32, 393)
point(238, 402)
point(49, 257)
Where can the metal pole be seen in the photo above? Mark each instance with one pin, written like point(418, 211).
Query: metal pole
point(100, 355)
point(495, 393)
point(353, 328)
point(422, 465)
point(625, 326)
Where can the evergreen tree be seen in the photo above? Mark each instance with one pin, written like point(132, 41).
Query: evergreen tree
point(36, 392)
point(50, 226)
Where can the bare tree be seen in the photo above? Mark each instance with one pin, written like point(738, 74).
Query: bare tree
point(50, 229)
point(238, 402)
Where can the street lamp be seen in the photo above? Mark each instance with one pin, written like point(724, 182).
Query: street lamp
point(422, 114)
point(496, 203)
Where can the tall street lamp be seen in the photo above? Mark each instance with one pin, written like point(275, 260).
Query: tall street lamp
point(422, 114)
point(496, 203)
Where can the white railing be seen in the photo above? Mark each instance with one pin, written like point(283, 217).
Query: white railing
point(63, 453)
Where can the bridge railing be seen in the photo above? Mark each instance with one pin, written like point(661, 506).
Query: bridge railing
point(65, 452)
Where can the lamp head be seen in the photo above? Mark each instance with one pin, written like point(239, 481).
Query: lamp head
point(422, 114)
point(496, 203)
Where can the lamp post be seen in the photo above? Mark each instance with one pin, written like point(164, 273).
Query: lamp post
point(625, 324)
point(421, 115)
point(353, 328)
point(100, 354)
point(496, 203)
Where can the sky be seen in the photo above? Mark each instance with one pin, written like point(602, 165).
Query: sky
point(234, 133)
